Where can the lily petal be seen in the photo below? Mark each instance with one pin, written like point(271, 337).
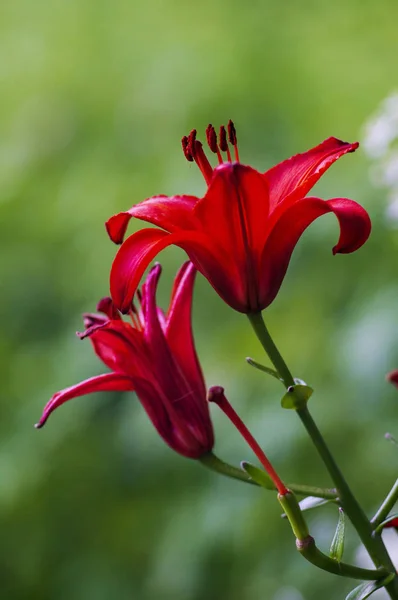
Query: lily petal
point(355, 227)
point(109, 382)
point(169, 213)
point(234, 211)
point(293, 178)
point(179, 327)
point(140, 249)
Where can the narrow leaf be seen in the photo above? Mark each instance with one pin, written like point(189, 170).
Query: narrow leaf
point(337, 546)
point(297, 396)
point(366, 589)
point(263, 368)
point(258, 475)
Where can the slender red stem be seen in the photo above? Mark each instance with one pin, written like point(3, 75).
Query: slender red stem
point(216, 394)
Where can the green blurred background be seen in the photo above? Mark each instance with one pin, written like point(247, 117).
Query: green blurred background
point(95, 96)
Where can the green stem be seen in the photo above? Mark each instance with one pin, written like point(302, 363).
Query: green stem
point(372, 543)
point(348, 501)
point(267, 342)
point(211, 461)
point(306, 545)
point(387, 506)
point(311, 553)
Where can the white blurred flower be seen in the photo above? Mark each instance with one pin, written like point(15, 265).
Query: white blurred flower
point(381, 145)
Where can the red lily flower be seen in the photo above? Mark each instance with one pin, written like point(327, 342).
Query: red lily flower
point(242, 233)
point(154, 356)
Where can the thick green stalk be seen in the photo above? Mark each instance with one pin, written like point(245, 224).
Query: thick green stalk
point(372, 543)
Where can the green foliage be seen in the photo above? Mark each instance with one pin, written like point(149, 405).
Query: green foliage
point(95, 98)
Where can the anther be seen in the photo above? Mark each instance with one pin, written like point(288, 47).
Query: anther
point(233, 139)
point(211, 137)
point(232, 133)
point(191, 143)
point(187, 154)
point(223, 143)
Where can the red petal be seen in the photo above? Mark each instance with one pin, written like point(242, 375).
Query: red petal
point(393, 377)
point(110, 382)
point(179, 328)
point(119, 346)
point(169, 213)
point(293, 178)
point(136, 254)
point(180, 431)
point(234, 211)
point(355, 228)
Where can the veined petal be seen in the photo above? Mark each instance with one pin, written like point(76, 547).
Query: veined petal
point(355, 227)
point(139, 250)
point(234, 211)
point(169, 213)
point(119, 346)
point(180, 429)
point(179, 328)
point(109, 382)
point(293, 178)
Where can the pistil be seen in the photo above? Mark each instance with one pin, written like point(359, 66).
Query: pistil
point(216, 395)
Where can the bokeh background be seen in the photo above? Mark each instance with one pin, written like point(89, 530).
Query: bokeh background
point(95, 96)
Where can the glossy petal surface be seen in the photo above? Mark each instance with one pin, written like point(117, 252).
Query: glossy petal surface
point(293, 178)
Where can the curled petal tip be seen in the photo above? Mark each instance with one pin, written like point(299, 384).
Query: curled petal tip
point(38, 425)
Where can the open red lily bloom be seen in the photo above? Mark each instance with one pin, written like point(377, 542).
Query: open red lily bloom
point(242, 233)
point(155, 356)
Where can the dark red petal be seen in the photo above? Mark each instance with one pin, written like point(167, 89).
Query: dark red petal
point(293, 178)
point(355, 228)
point(190, 439)
point(169, 213)
point(110, 382)
point(135, 256)
point(393, 377)
point(179, 328)
point(119, 346)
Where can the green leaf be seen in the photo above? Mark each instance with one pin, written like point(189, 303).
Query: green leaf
point(297, 396)
point(263, 368)
point(258, 475)
point(337, 546)
point(366, 589)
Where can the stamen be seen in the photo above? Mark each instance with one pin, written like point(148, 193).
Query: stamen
point(216, 394)
point(233, 139)
point(211, 137)
point(223, 143)
point(135, 314)
point(187, 154)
